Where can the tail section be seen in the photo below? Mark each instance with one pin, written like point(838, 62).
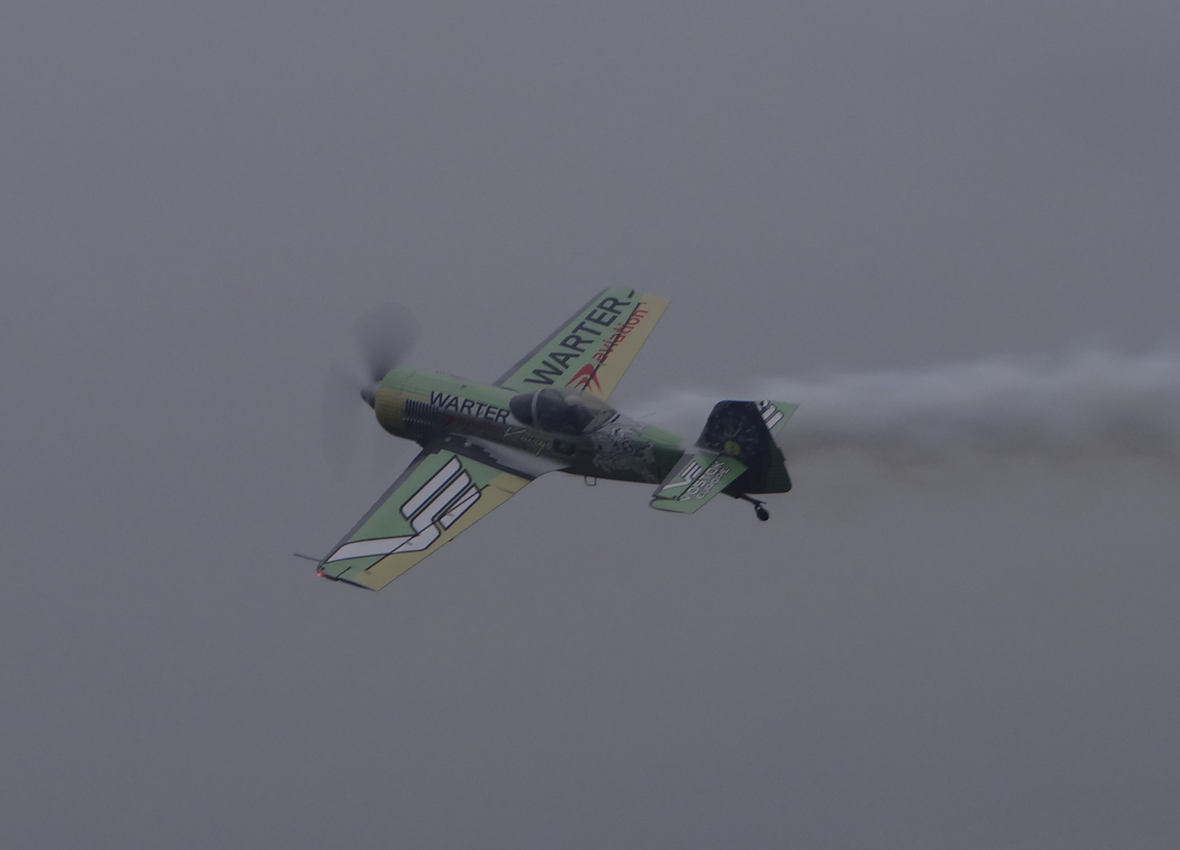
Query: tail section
point(695, 480)
point(775, 414)
point(745, 430)
point(737, 456)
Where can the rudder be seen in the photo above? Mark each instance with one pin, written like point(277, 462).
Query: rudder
point(745, 431)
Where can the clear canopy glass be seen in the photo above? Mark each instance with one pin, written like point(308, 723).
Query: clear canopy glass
point(561, 411)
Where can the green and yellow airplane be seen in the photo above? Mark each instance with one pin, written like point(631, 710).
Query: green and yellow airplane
point(481, 444)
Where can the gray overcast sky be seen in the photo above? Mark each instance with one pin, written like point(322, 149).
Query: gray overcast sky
point(197, 199)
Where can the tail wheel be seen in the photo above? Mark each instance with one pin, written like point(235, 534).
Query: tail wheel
point(759, 507)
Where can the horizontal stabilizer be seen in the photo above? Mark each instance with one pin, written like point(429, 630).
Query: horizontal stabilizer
point(775, 414)
point(695, 480)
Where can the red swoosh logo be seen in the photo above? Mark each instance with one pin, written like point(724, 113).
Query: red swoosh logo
point(584, 377)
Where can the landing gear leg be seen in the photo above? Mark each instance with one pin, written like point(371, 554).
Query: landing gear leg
point(759, 510)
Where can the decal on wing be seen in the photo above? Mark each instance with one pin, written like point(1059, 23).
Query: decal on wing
point(593, 349)
point(437, 497)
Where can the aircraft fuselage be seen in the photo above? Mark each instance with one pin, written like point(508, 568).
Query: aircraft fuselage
point(548, 429)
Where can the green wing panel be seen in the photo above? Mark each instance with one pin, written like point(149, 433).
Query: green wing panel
point(775, 414)
point(438, 496)
point(695, 480)
point(593, 349)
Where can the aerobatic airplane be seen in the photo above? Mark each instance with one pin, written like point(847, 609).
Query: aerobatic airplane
point(481, 444)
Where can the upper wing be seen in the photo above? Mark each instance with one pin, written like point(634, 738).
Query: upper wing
point(438, 496)
point(594, 348)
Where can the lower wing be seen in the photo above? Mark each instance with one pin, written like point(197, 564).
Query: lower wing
point(438, 496)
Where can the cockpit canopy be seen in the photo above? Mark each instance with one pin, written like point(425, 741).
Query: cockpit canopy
point(561, 411)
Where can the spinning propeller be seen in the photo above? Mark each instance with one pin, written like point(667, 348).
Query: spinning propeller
point(384, 335)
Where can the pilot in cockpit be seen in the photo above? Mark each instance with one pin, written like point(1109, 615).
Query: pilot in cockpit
point(561, 411)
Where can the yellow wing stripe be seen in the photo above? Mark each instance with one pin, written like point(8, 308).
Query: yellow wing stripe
point(626, 340)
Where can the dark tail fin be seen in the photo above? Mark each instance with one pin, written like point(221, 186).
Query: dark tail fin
point(738, 429)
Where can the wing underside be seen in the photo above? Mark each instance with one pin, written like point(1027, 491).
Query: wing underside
point(438, 496)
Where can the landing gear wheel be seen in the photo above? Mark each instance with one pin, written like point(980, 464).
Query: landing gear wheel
point(759, 510)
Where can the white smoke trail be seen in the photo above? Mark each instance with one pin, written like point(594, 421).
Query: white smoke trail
point(1094, 405)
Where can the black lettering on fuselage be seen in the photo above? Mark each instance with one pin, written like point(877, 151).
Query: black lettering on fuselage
point(472, 417)
point(468, 407)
